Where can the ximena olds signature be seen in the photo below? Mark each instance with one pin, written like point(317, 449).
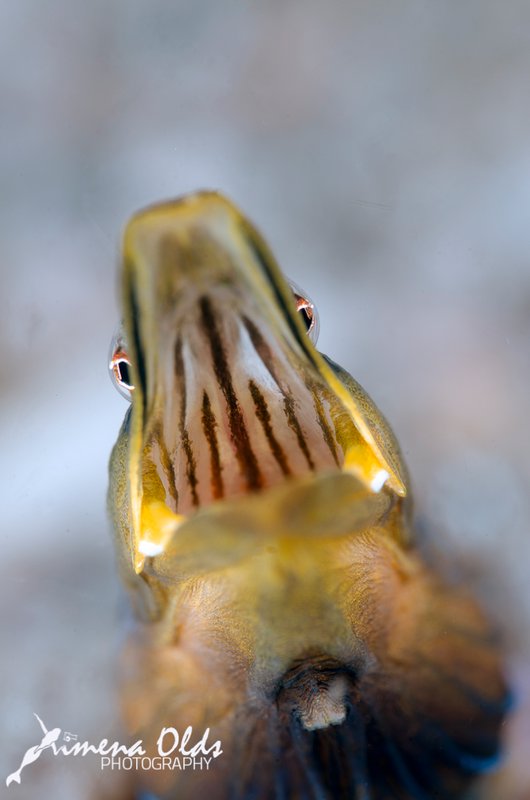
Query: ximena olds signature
point(174, 751)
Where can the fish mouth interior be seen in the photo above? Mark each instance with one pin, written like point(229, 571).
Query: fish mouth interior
point(235, 410)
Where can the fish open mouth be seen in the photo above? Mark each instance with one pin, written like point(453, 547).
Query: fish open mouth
point(240, 416)
point(230, 396)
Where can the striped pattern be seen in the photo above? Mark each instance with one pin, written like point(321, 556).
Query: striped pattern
point(209, 424)
point(212, 446)
point(263, 414)
point(191, 466)
point(169, 469)
point(264, 352)
point(244, 453)
point(325, 428)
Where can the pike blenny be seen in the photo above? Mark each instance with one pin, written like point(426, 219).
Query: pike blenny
point(262, 520)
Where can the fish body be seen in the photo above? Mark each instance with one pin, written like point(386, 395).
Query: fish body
point(262, 517)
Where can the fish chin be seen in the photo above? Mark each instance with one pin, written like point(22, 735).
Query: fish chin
point(304, 512)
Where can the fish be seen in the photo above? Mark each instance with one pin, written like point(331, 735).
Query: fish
point(285, 622)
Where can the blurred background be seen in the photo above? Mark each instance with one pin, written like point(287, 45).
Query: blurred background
point(384, 151)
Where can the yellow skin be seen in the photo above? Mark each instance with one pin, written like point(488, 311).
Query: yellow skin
point(262, 517)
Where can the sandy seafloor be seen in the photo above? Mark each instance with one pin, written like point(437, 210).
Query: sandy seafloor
point(384, 150)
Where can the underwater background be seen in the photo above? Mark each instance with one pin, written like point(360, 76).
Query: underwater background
point(383, 149)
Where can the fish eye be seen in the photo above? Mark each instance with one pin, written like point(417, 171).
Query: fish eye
point(120, 366)
point(307, 309)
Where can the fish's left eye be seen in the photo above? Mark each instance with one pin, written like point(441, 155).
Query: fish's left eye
point(120, 367)
point(308, 311)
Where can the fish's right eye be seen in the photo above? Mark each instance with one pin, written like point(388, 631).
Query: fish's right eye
point(120, 366)
point(308, 311)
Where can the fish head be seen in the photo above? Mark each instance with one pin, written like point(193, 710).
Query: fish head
point(235, 415)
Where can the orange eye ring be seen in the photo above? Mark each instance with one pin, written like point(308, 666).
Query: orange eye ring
point(120, 367)
point(308, 310)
